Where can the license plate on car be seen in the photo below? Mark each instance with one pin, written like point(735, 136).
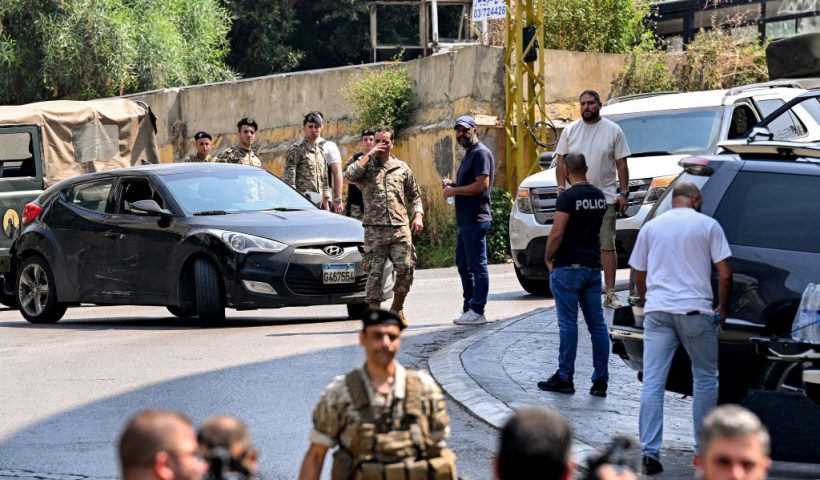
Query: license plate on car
point(338, 273)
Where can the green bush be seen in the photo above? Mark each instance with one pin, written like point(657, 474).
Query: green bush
point(380, 96)
point(646, 70)
point(606, 26)
point(498, 240)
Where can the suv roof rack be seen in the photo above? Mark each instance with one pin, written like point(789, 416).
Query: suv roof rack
point(635, 96)
point(763, 85)
point(774, 150)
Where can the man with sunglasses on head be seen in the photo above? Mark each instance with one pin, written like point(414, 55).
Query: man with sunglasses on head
point(160, 445)
point(305, 166)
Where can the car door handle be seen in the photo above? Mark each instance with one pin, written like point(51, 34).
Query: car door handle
point(113, 234)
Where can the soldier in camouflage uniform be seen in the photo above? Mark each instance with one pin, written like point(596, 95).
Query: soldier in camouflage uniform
point(386, 184)
point(354, 207)
point(242, 152)
point(387, 421)
point(305, 167)
point(202, 143)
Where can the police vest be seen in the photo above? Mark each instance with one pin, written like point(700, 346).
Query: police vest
point(393, 446)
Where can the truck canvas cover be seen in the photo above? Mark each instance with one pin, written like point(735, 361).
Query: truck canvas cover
point(88, 136)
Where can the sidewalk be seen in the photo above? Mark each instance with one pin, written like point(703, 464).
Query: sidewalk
point(494, 372)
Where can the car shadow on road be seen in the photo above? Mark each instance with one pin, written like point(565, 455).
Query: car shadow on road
point(168, 323)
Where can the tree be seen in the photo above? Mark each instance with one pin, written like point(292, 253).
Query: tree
point(96, 48)
point(604, 26)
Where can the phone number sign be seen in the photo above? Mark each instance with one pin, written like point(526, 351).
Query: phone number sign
point(489, 9)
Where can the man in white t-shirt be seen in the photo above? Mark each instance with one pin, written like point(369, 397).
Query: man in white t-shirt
point(603, 144)
point(333, 158)
point(672, 259)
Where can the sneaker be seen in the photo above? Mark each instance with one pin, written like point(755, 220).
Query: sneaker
point(557, 384)
point(598, 388)
point(611, 299)
point(470, 318)
point(650, 466)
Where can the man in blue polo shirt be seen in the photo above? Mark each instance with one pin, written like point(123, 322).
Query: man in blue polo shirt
point(471, 190)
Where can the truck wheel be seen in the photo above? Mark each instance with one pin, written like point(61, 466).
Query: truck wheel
point(37, 293)
point(533, 286)
point(210, 306)
point(355, 311)
point(782, 376)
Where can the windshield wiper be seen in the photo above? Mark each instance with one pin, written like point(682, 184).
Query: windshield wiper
point(650, 153)
point(212, 212)
point(283, 209)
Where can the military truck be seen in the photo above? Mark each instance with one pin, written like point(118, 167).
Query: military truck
point(42, 143)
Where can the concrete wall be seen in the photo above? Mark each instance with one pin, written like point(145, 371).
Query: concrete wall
point(467, 81)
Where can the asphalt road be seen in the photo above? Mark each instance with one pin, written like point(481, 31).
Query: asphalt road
point(68, 388)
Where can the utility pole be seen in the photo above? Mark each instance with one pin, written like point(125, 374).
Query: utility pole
point(525, 88)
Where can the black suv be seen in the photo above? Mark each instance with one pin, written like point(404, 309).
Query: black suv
point(766, 196)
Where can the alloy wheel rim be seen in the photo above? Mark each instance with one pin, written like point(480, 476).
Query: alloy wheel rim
point(33, 290)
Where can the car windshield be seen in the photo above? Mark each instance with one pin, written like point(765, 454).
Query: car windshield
point(689, 131)
point(234, 191)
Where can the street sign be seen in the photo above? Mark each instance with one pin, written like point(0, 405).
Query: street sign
point(489, 9)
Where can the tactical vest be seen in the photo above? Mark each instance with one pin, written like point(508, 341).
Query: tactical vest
point(393, 446)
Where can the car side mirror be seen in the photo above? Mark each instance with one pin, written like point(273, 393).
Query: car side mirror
point(545, 160)
point(759, 133)
point(315, 198)
point(150, 207)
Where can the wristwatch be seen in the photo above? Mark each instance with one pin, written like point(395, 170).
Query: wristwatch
point(624, 194)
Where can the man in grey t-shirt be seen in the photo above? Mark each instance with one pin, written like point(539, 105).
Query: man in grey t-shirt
point(603, 144)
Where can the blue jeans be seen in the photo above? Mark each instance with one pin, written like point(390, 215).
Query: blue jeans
point(662, 333)
point(571, 287)
point(471, 260)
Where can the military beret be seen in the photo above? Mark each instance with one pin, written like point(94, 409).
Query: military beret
point(378, 316)
point(199, 135)
point(249, 122)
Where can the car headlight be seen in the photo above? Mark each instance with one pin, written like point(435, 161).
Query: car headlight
point(244, 243)
point(657, 187)
point(522, 201)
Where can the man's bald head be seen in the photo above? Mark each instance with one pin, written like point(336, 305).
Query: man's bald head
point(224, 431)
point(148, 433)
point(686, 189)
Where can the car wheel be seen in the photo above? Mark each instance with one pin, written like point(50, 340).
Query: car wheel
point(782, 376)
point(355, 311)
point(181, 313)
point(210, 307)
point(533, 286)
point(36, 292)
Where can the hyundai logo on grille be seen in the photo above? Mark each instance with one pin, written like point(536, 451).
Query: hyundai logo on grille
point(333, 250)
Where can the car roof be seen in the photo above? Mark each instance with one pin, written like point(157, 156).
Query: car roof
point(704, 99)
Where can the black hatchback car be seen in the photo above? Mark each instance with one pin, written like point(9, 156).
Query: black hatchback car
point(196, 238)
point(766, 196)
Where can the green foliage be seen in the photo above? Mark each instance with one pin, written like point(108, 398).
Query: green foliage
point(606, 26)
point(95, 48)
point(498, 240)
point(715, 59)
point(261, 37)
point(380, 96)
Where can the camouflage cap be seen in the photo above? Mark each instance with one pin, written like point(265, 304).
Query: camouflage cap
point(199, 135)
point(247, 121)
point(378, 316)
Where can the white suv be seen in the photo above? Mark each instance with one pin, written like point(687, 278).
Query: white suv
point(661, 129)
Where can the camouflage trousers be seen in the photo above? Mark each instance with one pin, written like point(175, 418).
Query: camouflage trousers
point(355, 211)
point(395, 243)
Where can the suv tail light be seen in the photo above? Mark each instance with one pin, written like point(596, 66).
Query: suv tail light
point(697, 166)
point(30, 212)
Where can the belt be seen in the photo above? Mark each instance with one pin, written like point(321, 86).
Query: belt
point(693, 312)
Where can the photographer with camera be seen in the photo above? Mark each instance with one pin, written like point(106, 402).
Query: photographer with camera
point(537, 440)
point(225, 442)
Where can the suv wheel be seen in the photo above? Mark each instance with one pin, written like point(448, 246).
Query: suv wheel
point(533, 286)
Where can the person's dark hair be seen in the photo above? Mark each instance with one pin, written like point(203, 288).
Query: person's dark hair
point(576, 163)
point(591, 93)
point(385, 129)
point(146, 434)
point(224, 431)
point(732, 421)
point(534, 439)
point(369, 131)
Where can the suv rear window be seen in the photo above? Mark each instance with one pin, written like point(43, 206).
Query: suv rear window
point(772, 210)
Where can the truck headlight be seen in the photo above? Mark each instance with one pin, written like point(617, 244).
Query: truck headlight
point(657, 187)
point(523, 201)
